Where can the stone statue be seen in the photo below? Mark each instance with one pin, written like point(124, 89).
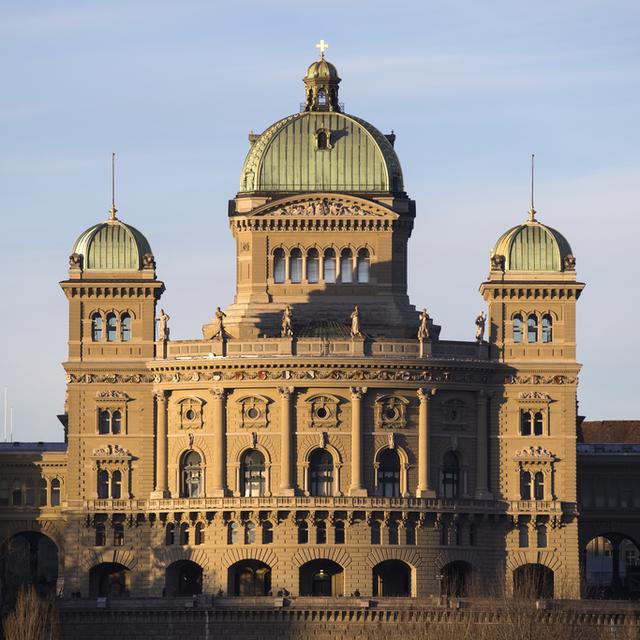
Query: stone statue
point(163, 325)
point(219, 317)
point(423, 329)
point(480, 323)
point(355, 323)
point(287, 322)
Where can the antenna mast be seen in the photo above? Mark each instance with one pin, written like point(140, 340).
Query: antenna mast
point(532, 211)
point(113, 210)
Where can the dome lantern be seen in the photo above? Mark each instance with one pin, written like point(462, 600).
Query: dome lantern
point(321, 84)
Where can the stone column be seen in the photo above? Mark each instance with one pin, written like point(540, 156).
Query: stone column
point(482, 490)
point(424, 489)
point(161, 481)
point(357, 487)
point(286, 482)
point(218, 467)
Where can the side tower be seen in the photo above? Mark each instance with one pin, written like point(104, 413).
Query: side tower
point(531, 293)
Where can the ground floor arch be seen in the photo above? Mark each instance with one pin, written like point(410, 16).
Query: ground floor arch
point(321, 578)
point(455, 579)
point(612, 566)
point(534, 581)
point(109, 580)
point(392, 578)
point(183, 578)
point(29, 557)
point(249, 578)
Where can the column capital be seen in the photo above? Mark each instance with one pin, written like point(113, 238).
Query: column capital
point(424, 395)
point(161, 395)
point(218, 393)
point(358, 392)
point(286, 392)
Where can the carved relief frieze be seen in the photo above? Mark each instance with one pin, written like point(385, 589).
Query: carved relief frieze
point(111, 451)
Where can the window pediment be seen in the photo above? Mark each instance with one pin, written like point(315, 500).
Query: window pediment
point(253, 412)
point(111, 452)
point(535, 454)
point(190, 412)
point(324, 411)
point(390, 412)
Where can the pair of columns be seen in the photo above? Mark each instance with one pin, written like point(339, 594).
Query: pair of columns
point(287, 483)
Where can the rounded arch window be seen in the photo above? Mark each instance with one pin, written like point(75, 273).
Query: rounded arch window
point(295, 266)
point(56, 491)
point(517, 328)
point(525, 485)
point(112, 327)
point(329, 270)
point(313, 266)
point(116, 421)
point(104, 422)
point(191, 485)
point(346, 266)
point(303, 532)
point(389, 474)
point(233, 532)
point(321, 473)
point(532, 328)
point(322, 139)
point(253, 474)
point(362, 266)
point(279, 267)
point(538, 424)
point(450, 475)
point(116, 485)
point(547, 328)
point(125, 327)
point(96, 327)
point(538, 486)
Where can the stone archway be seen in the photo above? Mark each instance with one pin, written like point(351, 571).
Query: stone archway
point(612, 566)
point(109, 580)
point(321, 577)
point(455, 579)
point(249, 578)
point(183, 578)
point(533, 581)
point(392, 578)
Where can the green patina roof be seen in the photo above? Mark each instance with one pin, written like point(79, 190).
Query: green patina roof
point(532, 247)
point(112, 246)
point(285, 158)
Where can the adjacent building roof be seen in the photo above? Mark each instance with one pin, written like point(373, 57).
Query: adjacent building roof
point(609, 432)
point(29, 447)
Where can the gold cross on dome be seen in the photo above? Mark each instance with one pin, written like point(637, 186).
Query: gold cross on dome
point(322, 45)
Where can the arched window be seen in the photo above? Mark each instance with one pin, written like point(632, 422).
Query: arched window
point(321, 532)
point(125, 327)
point(250, 533)
point(118, 534)
point(444, 533)
point(375, 532)
point(532, 328)
point(96, 327)
point(321, 473)
point(295, 266)
point(104, 422)
point(55, 492)
point(525, 485)
point(346, 266)
point(322, 138)
point(4, 493)
point(101, 535)
point(16, 494)
point(170, 534)
point(184, 533)
point(541, 535)
point(338, 532)
point(103, 484)
point(111, 327)
point(525, 423)
point(538, 424)
point(116, 485)
point(29, 493)
point(191, 475)
point(547, 328)
point(410, 531)
point(322, 100)
point(313, 266)
point(329, 274)
point(279, 268)
point(362, 266)
point(389, 474)
point(253, 474)
point(43, 497)
point(303, 532)
point(233, 533)
point(116, 421)
point(538, 486)
point(198, 537)
point(472, 534)
point(517, 328)
point(267, 533)
point(523, 536)
point(450, 475)
point(393, 532)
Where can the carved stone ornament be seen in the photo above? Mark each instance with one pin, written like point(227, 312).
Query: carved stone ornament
point(570, 263)
point(534, 395)
point(75, 261)
point(190, 413)
point(534, 452)
point(497, 263)
point(253, 412)
point(112, 394)
point(111, 451)
point(148, 261)
point(454, 413)
point(390, 412)
point(324, 411)
point(322, 208)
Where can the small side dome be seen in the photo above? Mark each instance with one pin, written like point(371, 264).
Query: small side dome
point(112, 246)
point(322, 70)
point(532, 247)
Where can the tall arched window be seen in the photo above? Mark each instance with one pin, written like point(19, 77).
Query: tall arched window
point(253, 474)
point(322, 101)
point(525, 423)
point(362, 266)
point(541, 536)
point(389, 474)
point(517, 328)
point(375, 532)
point(112, 327)
point(198, 537)
point(125, 327)
point(313, 266)
point(523, 536)
point(346, 266)
point(184, 533)
point(116, 485)
point(321, 532)
point(393, 532)
point(538, 424)
point(444, 533)
point(267, 532)
point(170, 534)
point(338, 532)
point(233, 533)
point(321, 473)
point(525, 485)
point(250, 533)
point(191, 475)
point(103, 484)
point(43, 497)
point(538, 486)
point(104, 422)
point(410, 531)
point(322, 138)
point(279, 267)
point(55, 492)
point(329, 274)
point(295, 266)
point(303, 532)
point(101, 535)
point(532, 328)
point(116, 421)
point(16, 493)
point(96, 327)
point(450, 475)
point(547, 328)
point(118, 534)
point(29, 493)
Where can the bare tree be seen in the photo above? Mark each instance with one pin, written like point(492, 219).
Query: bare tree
point(31, 618)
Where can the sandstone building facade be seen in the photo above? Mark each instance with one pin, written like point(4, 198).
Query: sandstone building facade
point(319, 439)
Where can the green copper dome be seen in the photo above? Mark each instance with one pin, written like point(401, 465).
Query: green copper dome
point(532, 247)
point(322, 69)
point(112, 246)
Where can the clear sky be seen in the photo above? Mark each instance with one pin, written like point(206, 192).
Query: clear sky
point(470, 89)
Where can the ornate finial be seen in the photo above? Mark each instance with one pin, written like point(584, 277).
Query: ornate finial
point(532, 211)
point(113, 210)
point(322, 45)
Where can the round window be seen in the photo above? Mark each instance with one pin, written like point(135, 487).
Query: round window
point(322, 413)
point(190, 414)
point(391, 413)
point(253, 413)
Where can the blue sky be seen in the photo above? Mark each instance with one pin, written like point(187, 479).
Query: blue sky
point(470, 89)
